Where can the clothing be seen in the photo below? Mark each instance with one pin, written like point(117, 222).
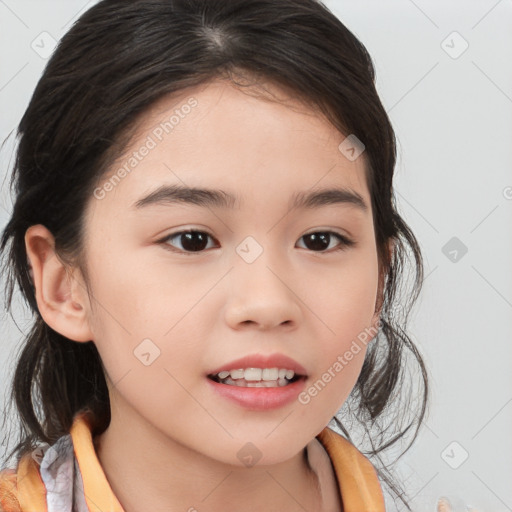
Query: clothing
point(68, 477)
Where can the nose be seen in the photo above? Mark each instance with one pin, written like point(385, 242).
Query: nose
point(262, 296)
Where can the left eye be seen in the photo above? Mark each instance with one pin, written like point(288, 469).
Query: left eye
point(321, 239)
point(195, 241)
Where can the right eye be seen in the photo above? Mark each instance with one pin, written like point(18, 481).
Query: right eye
point(191, 241)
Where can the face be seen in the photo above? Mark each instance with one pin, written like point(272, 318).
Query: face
point(254, 275)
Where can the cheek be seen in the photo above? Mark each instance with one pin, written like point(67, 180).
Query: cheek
point(144, 340)
point(345, 305)
point(343, 296)
point(143, 309)
point(341, 357)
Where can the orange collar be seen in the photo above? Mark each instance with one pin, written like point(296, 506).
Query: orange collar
point(355, 474)
point(357, 479)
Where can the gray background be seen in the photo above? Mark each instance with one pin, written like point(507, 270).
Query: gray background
point(451, 110)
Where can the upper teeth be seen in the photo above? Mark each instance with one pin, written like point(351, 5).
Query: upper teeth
point(256, 374)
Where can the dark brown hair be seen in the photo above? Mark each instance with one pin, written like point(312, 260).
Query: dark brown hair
point(115, 62)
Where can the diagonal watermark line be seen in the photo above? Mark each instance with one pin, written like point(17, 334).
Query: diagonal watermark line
point(424, 14)
point(199, 403)
point(311, 188)
point(491, 490)
point(504, 298)
point(418, 212)
point(492, 81)
point(431, 272)
point(430, 429)
point(415, 85)
point(216, 487)
point(280, 423)
point(425, 424)
point(485, 15)
point(286, 490)
point(424, 486)
point(198, 301)
point(82, 490)
point(213, 213)
point(301, 300)
point(3, 3)
point(492, 418)
point(14, 76)
point(120, 379)
point(77, 14)
point(90, 294)
point(484, 218)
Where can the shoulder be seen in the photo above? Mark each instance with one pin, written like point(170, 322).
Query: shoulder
point(22, 488)
point(49, 473)
point(9, 491)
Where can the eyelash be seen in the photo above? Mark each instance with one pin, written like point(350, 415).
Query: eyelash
point(345, 242)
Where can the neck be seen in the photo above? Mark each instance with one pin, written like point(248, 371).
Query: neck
point(157, 473)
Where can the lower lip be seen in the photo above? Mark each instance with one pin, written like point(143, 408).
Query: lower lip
point(260, 399)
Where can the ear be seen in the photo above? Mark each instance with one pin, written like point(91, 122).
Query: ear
point(61, 298)
point(380, 292)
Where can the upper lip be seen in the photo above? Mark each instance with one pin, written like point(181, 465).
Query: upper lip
point(262, 361)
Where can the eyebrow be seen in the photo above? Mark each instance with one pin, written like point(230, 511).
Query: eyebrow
point(167, 195)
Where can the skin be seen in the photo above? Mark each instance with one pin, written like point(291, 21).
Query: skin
point(204, 309)
point(443, 505)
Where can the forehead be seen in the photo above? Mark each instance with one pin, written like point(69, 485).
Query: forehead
point(244, 140)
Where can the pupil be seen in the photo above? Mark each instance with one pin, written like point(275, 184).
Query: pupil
point(188, 242)
point(320, 241)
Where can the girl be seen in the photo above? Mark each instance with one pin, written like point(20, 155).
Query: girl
point(204, 227)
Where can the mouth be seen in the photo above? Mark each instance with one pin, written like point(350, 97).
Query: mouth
point(259, 382)
point(259, 370)
point(257, 377)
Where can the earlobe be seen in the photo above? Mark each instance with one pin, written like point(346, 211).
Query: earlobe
point(60, 299)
